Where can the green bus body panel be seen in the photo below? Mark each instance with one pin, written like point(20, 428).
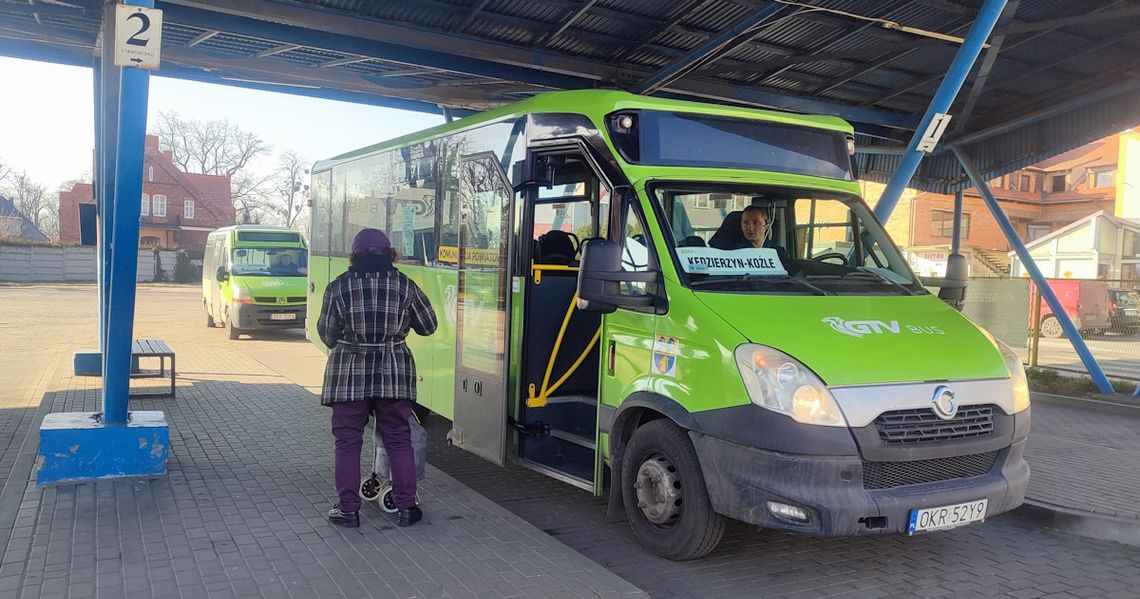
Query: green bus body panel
point(269, 286)
point(912, 338)
point(907, 338)
point(594, 104)
point(258, 286)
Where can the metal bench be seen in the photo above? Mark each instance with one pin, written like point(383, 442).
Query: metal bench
point(152, 348)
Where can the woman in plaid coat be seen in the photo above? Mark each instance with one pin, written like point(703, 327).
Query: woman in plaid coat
point(366, 315)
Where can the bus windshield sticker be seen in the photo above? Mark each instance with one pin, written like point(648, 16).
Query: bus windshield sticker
point(749, 261)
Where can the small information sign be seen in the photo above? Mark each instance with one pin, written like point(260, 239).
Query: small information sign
point(138, 36)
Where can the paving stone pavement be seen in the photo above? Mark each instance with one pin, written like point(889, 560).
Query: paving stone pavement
point(250, 475)
point(240, 513)
point(1085, 461)
point(1012, 555)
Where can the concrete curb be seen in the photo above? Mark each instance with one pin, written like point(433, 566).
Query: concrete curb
point(1125, 531)
point(1095, 405)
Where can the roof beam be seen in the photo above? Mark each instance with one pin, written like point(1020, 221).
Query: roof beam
point(469, 18)
point(283, 48)
point(1106, 15)
point(928, 80)
point(687, 8)
point(201, 37)
point(1049, 108)
point(340, 62)
point(720, 44)
point(1001, 29)
point(297, 24)
point(571, 17)
point(1116, 39)
point(836, 40)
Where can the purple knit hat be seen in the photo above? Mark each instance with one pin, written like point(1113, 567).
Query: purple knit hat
point(370, 239)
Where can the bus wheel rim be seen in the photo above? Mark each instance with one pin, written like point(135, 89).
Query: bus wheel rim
point(658, 488)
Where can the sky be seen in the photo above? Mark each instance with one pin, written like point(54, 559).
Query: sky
point(46, 113)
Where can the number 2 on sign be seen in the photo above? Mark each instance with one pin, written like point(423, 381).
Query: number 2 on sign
point(144, 25)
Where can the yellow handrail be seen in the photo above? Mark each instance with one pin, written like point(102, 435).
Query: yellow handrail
point(539, 401)
point(537, 269)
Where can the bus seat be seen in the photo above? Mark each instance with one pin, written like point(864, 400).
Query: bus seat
point(555, 247)
point(692, 241)
point(729, 236)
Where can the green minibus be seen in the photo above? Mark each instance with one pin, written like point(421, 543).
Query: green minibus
point(688, 308)
point(253, 278)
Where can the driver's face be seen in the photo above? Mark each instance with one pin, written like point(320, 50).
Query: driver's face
point(753, 224)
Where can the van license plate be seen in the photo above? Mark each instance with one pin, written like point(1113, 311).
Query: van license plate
point(946, 517)
point(289, 316)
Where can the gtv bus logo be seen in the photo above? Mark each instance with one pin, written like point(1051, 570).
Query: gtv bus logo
point(859, 328)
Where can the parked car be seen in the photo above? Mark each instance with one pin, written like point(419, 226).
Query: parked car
point(1086, 303)
point(1124, 310)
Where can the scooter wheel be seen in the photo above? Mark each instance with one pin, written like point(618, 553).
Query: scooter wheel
point(388, 503)
point(370, 489)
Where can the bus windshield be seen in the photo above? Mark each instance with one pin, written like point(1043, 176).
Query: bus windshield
point(759, 239)
point(270, 262)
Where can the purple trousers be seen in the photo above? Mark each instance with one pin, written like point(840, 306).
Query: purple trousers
point(348, 422)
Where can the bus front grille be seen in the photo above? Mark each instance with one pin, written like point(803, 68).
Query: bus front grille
point(922, 425)
point(888, 475)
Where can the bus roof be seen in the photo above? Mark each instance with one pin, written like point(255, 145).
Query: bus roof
point(594, 104)
point(252, 228)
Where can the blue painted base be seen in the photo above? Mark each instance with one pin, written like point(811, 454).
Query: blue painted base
point(76, 447)
point(89, 362)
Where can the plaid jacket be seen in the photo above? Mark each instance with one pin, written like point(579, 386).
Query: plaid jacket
point(364, 320)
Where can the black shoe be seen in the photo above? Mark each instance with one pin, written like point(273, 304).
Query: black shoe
point(345, 519)
point(410, 515)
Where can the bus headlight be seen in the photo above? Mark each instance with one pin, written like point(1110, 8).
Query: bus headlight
point(1016, 377)
point(241, 295)
point(778, 382)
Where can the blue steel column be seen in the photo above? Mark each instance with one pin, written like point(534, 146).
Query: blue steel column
point(956, 244)
point(100, 270)
point(1038, 277)
point(108, 117)
point(131, 140)
point(943, 98)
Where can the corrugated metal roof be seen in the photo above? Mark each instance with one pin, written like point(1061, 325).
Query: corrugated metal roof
point(509, 48)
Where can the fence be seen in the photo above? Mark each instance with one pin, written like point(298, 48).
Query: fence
point(1106, 311)
point(49, 264)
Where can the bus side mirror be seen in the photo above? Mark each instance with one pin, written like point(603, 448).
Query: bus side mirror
point(952, 287)
point(600, 279)
point(222, 275)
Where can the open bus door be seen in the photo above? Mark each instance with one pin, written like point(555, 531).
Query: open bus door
point(483, 308)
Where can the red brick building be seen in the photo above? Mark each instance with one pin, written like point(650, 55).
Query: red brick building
point(1038, 200)
point(178, 209)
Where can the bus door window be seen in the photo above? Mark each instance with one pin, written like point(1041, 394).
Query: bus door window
point(569, 211)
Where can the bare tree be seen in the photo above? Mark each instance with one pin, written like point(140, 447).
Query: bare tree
point(5, 172)
point(290, 188)
point(208, 147)
point(30, 198)
point(250, 196)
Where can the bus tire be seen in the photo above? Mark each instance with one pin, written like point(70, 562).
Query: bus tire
point(209, 319)
point(664, 494)
point(233, 331)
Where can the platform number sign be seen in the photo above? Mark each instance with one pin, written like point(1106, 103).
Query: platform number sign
point(933, 132)
point(138, 36)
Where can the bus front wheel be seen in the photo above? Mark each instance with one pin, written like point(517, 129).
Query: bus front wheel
point(665, 496)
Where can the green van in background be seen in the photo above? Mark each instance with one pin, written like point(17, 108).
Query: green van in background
point(253, 278)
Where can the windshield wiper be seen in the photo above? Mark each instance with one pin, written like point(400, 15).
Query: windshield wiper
point(863, 270)
point(799, 279)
